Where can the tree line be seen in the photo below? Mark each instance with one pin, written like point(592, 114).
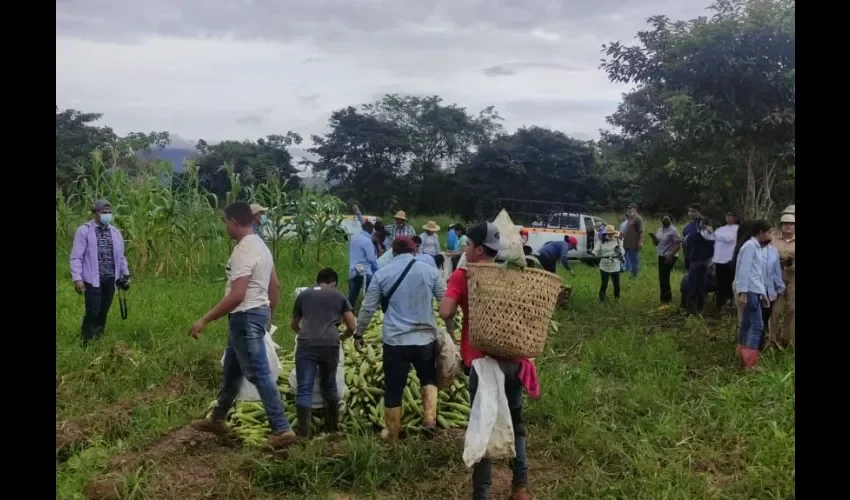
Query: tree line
point(711, 119)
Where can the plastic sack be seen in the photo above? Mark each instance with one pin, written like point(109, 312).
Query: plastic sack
point(449, 365)
point(490, 433)
point(511, 240)
point(341, 387)
point(248, 391)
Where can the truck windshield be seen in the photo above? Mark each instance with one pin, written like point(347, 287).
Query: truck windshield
point(566, 221)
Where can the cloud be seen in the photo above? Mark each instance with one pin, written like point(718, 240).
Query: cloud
point(227, 69)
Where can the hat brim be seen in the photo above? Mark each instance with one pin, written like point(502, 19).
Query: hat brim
point(400, 217)
point(433, 228)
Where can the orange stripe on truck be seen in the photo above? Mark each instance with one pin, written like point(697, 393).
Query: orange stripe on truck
point(530, 230)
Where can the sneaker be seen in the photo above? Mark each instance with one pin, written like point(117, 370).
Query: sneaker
point(282, 440)
point(217, 427)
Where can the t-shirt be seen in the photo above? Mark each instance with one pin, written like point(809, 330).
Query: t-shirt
point(320, 310)
point(251, 257)
point(634, 228)
point(457, 290)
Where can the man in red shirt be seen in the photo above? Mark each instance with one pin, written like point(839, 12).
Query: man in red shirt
point(482, 245)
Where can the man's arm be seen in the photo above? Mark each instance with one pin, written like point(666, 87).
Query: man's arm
point(438, 286)
point(357, 214)
point(350, 322)
point(451, 298)
point(297, 313)
point(371, 256)
point(274, 292)
point(77, 252)
point(238, 287)
point(368, 307)
point(742, 268)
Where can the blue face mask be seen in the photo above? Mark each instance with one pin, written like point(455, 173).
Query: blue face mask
point(106, 219)
point(263, 220)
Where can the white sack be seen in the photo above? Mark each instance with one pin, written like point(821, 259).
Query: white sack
point(248, 391)
point(490, 433)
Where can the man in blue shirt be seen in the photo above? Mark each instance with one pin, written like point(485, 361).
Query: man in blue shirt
point(752, 293)
point(405, 289)
point(692, 227)
point(362, 262)
point(552, 251)
point(699, 252)
point(451, 239)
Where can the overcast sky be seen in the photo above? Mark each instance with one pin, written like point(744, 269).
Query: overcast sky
point(237, 69)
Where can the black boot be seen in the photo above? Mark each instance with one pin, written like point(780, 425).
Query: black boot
point(305, 416)
point(331, 417)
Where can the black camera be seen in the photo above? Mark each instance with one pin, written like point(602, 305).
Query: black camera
point(123, 284)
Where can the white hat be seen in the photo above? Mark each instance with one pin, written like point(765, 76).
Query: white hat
point(255, 209)
point(790, 209)
point(787, 218)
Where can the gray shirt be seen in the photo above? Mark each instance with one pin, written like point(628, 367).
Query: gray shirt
point(667, 239)
point(320, 310)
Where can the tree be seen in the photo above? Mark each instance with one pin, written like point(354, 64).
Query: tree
point(715, 99)
point(76, 138)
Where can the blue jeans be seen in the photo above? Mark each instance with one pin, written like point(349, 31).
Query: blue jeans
point(632, 262)
point(308, 361)
point(482, 472)
point(355, 284)
point(752, 323)
point(246, 357)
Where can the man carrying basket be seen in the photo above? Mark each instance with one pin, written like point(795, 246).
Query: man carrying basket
point(482, 246)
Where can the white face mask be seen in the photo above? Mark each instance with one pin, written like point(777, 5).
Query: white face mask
point(106, 219)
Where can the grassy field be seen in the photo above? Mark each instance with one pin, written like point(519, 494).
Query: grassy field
point(636, 403)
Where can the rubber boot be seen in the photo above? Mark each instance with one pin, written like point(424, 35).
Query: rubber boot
point(393, 420)
point(331, 418)
point(429, 407)
point(305, 416)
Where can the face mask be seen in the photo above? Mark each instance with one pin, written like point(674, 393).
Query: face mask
point(106, 219)
point(263, 220)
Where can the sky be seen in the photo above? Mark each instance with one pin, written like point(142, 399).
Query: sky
point(243, 69)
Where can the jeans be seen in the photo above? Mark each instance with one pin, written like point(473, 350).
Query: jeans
point(246, 357)
point(397, 360)
point(664, 271)
point(632, 261)
point(98, 301)
point(725, 276)
point(603, 287)
point(355, 284)
point(482, 471)
point(309, 360)
point(752, 322)
point(697, 283)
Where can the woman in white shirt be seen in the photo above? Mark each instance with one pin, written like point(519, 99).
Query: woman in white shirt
point(611, 253)
point(431, 242)
point(725, 239)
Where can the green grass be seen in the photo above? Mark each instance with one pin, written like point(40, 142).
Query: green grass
point(636, 403)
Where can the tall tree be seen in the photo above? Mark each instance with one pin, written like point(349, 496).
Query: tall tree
point(715, 101)
point(76, 137)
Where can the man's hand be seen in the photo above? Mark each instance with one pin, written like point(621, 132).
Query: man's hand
point(359, 344)
point(197, 327)
point(355, 208)
point(742, 297)
point(80, 287)
point(668, 258)
point(765, 302)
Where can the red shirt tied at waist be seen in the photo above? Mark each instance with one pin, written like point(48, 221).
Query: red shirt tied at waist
point(457, 290)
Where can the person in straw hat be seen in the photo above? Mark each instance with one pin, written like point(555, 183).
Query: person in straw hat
point(431, 242)
point(610, 251)
point(400, 228)
point(520, 374)
point(785, 243)
point(259, 213)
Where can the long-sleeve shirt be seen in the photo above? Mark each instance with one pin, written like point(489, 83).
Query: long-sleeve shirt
point(749, 269)
point(558, 250)
point(610, 252)
point(84, 254)
point(361, 252)
point(668, 239)
point(409, 318)
point(700, 246)
point(430, 243)
point(725, 239)
point(394, 231)
point(451, 240)
point(773, 282)
point(385, 259)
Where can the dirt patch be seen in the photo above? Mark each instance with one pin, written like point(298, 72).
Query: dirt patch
point(113, 421)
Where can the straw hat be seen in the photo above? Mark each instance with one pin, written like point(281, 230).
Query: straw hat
point(790, 209)
point(255, 209)
point(431, 226)
point(609, 229)
point(400, 215)
point(787, 218)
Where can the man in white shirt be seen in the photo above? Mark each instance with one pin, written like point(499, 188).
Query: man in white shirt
point(752, 293)
point(725, 239)
point(250, 297)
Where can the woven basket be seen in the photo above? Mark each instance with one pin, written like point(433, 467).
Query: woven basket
point(510, 309)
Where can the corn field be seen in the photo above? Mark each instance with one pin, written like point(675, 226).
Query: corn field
point(172, 226)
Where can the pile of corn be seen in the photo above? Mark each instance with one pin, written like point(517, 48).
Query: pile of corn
point(362, 411)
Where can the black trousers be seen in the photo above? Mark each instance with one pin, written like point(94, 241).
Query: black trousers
point(697, 285)
point(664, 271)
point(397, 360)
point(725, 278)
point(548, 263)
point(603, 288)
point(98, 301)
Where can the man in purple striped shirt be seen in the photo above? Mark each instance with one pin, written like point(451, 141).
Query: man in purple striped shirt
point(97, 262)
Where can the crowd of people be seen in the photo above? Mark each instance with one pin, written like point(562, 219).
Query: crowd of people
point(399, 271)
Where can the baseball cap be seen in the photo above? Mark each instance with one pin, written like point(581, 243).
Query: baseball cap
point(485, 234)
point(255, 209)
point(100, 205)
point(403, 244)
